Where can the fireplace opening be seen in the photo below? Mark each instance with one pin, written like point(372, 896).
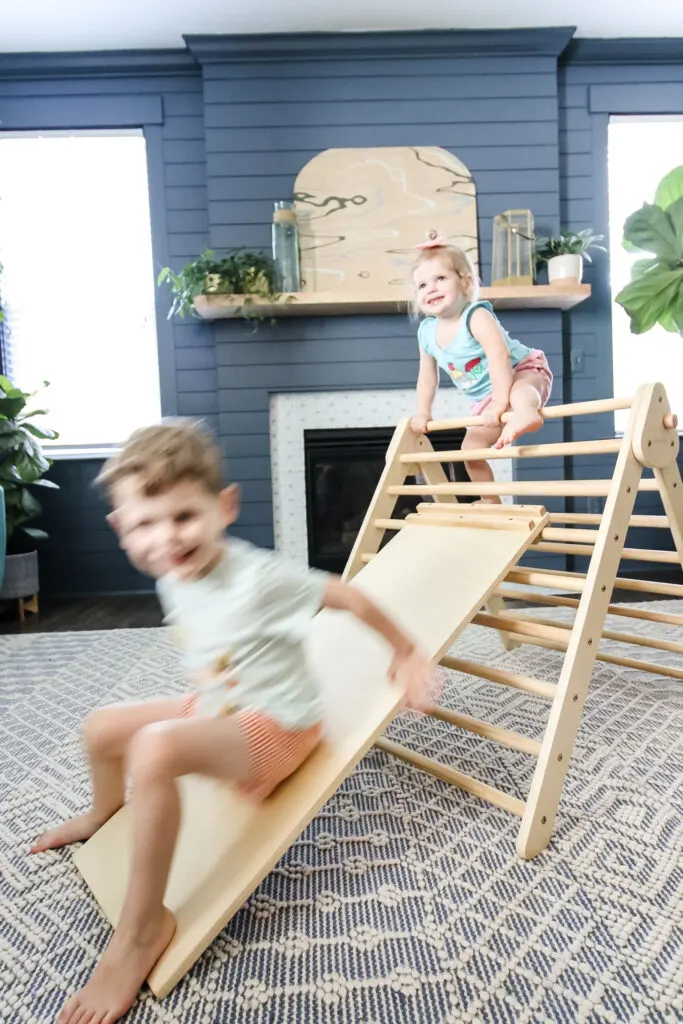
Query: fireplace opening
point(343, 468)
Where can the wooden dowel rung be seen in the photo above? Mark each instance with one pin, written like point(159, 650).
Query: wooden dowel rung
point(556, 601)
point(570, 536)
point(557, 578)
point(522, 627)
point(516, 680)
point(474, 522)
point(504, 511)
point(565, 488)
point(514, 740)
point(528, 451)
point(595, 518)
point(673, 646)
point(389, 524)
point(635, 554)
point(610, 659)
point(551, 412)
point(441, 771)
point(544, 578)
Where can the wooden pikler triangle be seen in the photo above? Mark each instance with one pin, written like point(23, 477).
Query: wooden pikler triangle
point(442, 569)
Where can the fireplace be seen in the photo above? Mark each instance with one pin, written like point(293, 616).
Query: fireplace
point(342, 470)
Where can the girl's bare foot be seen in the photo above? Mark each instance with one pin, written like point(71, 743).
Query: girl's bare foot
point(72, 831)
point(118, 977)
point(523, 421)
point(493, 500)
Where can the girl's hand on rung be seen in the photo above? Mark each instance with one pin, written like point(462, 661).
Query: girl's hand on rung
point(418, 424)
point(491, 416)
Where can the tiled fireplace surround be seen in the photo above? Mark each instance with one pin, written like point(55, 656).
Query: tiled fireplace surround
point(292, 414)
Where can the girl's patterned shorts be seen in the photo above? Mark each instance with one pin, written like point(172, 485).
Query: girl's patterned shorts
point(274, 751)
point(535, 362)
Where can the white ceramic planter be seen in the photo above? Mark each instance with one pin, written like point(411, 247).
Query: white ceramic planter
point(567, 269)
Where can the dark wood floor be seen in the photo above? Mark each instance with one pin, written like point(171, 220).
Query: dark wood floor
point(67, 614)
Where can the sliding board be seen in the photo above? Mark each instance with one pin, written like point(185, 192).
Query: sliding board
point(432, 580)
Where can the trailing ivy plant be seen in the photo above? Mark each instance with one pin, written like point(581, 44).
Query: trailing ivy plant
point(239, 272)
point(569, 243)
point(23, 462)
point(654, 294)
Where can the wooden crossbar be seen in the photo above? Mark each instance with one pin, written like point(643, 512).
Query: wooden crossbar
point(580, 518)
point(556, 601)
point(576, 581)
point(516, 680)
point(530, 451)
point(656, 643)
point(557, 488)
point(455, 778)
point(551, 412)
point(611, 659)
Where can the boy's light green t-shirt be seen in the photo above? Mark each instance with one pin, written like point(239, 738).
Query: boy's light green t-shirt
point(241, 631)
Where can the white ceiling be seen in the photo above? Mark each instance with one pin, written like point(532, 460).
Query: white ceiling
point(140, 24)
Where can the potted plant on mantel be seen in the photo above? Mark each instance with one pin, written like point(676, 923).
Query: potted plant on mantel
point(22, 466)
point(654, 294)
point(566, 253)
point(241, 274)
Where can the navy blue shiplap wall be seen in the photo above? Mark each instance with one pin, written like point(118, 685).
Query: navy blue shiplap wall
point(265, 119)
point(240, 117)
point(81, 555)
point(595, 81)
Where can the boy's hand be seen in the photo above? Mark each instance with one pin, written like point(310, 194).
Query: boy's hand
point(416, 676)
point(418, 424)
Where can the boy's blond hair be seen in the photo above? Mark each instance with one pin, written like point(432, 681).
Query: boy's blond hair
point(166, 454)
point(459, 262)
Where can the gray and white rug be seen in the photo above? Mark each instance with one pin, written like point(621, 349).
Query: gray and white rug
point(404, 901)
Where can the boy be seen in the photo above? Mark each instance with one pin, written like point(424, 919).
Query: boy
point(254, 716)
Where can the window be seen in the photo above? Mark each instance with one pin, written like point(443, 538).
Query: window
point(78, 281)
point(641, 150)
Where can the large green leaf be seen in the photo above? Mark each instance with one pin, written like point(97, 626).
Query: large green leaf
point(30, 505)
point(648, 297)
point(42, 432)
point(33, 532)
point(652, 230)
point(670, 189)
point(11, 407)
point(675, 213)
point(44, 482)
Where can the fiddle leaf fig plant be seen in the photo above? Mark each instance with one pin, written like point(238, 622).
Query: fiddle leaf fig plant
point(654, 294)
point(23, 462)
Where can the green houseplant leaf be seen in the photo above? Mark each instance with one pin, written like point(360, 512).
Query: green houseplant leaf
point(654, 294)
point(651, 229)
point(23, 463)
point(669, 189)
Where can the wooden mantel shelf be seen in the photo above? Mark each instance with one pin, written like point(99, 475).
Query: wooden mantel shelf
point(537, 296)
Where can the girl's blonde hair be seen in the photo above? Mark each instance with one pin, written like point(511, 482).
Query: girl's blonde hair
point(459, 262)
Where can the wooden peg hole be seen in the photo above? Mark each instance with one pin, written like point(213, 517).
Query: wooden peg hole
point(575, 697)
point(559, 757)
point(543, 820)
point(590, 642)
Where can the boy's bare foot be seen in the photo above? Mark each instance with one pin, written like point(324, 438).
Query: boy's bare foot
point(71, 831)
point(522, 421)
point(493, 500)
point(118, 977)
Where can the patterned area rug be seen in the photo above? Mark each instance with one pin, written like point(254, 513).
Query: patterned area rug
point(404, 900)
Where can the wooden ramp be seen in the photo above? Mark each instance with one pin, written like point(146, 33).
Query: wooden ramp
point(433, 581)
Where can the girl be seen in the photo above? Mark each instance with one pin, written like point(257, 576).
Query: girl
point(464, 337)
